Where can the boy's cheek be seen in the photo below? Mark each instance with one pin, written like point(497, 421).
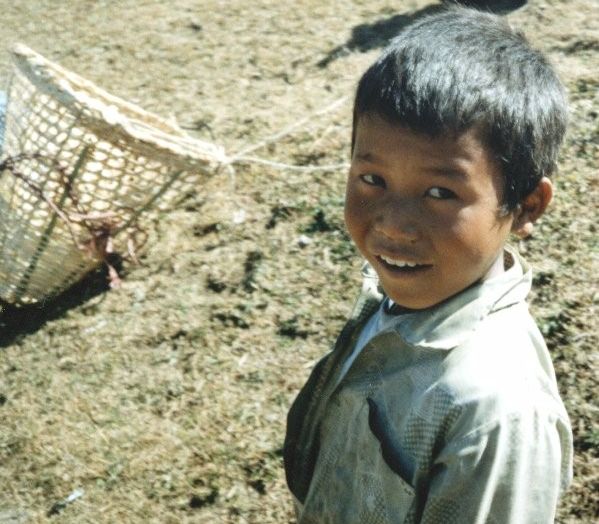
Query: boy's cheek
point(349, 209)
point(358, 204)
point(349, 223)
point(355, 227)
point(355, 211)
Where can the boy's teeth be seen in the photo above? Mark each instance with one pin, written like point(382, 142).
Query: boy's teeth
point(398, 263)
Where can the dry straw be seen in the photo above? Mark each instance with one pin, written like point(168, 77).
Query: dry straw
point(80, 167)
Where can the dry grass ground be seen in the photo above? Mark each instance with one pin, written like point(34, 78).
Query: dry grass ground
point(165, 401)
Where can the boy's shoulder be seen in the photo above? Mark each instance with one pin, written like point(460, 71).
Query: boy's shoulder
point(501, 376)
point(505, 359)
point(497, 384)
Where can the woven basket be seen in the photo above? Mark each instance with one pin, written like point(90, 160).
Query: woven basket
point(80, 148)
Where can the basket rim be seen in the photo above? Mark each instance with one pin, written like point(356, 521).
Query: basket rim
point(113, 118)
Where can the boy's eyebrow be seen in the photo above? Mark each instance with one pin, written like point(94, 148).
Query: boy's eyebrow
point(442, 171)
point(369, 157)
point(449, 172)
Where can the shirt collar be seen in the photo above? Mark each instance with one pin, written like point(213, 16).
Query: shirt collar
point(448, 324)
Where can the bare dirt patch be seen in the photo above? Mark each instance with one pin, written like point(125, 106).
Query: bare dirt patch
point(165, 401)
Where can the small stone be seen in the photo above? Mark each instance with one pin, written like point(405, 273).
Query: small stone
point(304, 241)
point(239, 216)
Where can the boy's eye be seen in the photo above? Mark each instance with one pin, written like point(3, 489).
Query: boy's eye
point(373, 180)
point(440, 193)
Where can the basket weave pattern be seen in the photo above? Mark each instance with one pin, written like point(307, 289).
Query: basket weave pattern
point(82, 151)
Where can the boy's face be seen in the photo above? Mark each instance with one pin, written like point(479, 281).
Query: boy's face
point(425, 212)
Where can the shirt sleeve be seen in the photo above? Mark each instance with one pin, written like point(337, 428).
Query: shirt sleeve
point(511, 471)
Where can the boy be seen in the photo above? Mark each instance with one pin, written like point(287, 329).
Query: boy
point(439, 402)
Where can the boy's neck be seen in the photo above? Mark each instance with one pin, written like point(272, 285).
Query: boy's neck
point(503, 261)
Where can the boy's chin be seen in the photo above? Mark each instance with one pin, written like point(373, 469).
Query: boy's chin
point(406, 304)
point(411, 306)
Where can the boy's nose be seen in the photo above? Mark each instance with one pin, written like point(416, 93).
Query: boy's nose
point(398, 222)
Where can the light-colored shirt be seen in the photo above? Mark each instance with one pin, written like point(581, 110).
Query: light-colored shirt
point(446, 415)
point(377, 323)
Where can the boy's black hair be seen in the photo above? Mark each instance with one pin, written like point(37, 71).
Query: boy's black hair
point(460, 69)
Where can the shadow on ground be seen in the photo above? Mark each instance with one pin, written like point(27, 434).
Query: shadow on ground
point(365, 37)
point(20, 321)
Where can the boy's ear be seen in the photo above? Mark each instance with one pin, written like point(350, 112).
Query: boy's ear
point(532, 207)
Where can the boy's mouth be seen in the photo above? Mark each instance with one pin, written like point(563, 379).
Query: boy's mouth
point(401, 266)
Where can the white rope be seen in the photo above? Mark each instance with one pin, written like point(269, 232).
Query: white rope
point(242, 156)
point(286, 131)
